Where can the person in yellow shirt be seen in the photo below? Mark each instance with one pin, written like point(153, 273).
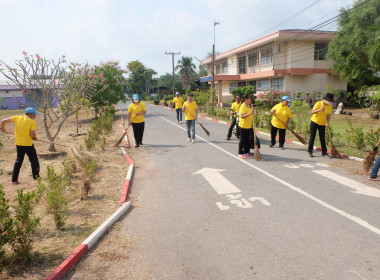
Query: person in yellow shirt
point(25, 133)
point(190, 108)
point(321, 118)
point(136, 112)
point(280, 111)
point(245, 123)
point(234, 111)
point(178, 103)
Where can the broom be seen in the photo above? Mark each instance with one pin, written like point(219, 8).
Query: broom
point(369, 159)
point(122, 136)
point(334, 151)
point(299, 137)
point(257, 156)
point(45, 141)
point(205, 130)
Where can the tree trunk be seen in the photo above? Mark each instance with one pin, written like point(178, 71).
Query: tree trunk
point(52, 147)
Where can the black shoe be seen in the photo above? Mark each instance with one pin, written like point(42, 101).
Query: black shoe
point(310, 154)
point(271, 145)
point(282, 148)
point(138, 145)
point(228, 138)
point(326, 155)
point(141, 144)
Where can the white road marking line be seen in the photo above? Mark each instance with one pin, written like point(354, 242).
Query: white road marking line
point(358, 187)
point(261, 199)
point(220, 184)
point(290, 186)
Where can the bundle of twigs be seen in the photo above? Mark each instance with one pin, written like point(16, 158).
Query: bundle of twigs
point(122, 136)
point(257, 154)
point(299, 137)
point(205, 130)
point(370, 158)
point(334, 152)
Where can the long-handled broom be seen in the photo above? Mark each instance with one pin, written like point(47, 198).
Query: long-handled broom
point(205, 130)
point(299, 137)
point(369, 159)
point(334, 151)
point(122, 136)
point(257, 155)
point(44, 141)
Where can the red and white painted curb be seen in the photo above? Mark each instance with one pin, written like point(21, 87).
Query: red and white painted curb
point(286, 140)
point(90, 241)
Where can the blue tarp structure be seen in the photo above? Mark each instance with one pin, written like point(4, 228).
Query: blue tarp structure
point(205, 79)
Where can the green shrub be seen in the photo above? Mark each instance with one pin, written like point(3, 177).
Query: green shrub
point(6, 223)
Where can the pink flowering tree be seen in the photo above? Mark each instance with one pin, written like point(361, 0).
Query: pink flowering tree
point(57, 88)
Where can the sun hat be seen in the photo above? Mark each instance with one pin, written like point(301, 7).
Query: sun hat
point(329, 97)
point(286, 98)
point(136, 96)
point(177, 93)
point(31, 110)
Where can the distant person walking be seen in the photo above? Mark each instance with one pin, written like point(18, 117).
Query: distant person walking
point(25, 133)
point(178, 103)
point(281, 115)
point(245, 123)
point(234, 111)
point(190, 108)
point(136, 112)
point(321, 118)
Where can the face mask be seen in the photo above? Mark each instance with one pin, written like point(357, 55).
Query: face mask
point(136, 100)
point(327, 102)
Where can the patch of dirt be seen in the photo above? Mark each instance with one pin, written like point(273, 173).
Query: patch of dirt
point(50, 246)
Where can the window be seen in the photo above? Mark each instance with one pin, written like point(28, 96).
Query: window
point(253, 58)
point(266, 54)
point(263, 84)
point(225, 66)
point(232, 86)
point(277, 83)
point(320, 51)
point(217, 68)
point(242, 65)
point(241, 84)
point(252, 83)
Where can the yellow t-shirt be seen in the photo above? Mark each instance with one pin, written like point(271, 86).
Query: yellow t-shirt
point(135, 108)
point(191, 107)
point(282, 113)
point(235, 108)
point(23, 126)
point(247, 122)
point(320, 117)
point(178, 102)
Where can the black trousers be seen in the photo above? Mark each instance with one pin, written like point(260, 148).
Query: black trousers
point(138, 132)
point(233, 123)
point(313, 132)
point(273, 134)
point(32, 155)
point(244, 143)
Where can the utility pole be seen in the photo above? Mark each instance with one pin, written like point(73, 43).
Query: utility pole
point(213, 68)
point(173, 54)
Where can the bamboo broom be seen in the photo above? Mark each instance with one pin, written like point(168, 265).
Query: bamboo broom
point(370, 158)
point(205, 130)
point(299, 137)
point(125, 132)
point(334, 151)
point(257, 155)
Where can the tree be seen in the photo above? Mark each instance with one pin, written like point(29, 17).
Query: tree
point(355, 51)
point(149, 81)
point(167, 81)
point(112, 76)
point(58, 89)
point(136, 76)
point(186, 71)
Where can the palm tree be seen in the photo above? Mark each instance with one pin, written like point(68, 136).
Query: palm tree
point(186, 71)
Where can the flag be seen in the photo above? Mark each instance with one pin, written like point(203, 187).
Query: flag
point(216, 23)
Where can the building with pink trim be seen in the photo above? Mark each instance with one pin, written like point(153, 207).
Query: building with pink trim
point(288, 60)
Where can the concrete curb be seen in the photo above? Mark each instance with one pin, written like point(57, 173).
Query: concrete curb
point(287, 140)
point(90, 241)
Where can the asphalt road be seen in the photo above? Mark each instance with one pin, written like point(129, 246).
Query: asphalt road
point(200, 212)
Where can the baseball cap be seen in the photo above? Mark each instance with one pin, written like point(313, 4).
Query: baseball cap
point(286, 98)
point(177, 93)
point(136, 96)
point(31, 110)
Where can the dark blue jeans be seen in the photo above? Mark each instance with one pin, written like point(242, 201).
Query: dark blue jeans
point(190, 129)
point(179, 114)
point(32, 154)
point(375, 168)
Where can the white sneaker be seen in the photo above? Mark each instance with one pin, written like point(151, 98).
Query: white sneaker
point(188, 139)
point(193, 141)
point(180, 122)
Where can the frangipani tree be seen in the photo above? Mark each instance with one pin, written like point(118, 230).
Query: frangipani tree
point(58, 88)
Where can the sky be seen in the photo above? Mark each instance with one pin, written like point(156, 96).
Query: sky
point(123, 30)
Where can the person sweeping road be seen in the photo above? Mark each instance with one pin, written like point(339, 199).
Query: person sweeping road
point(234, 111)
point(178, 103)
point(136, 112)
point(280, 121)
point(245, 123)
point(190, 108)
point(25, 133)
point(321, 118)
